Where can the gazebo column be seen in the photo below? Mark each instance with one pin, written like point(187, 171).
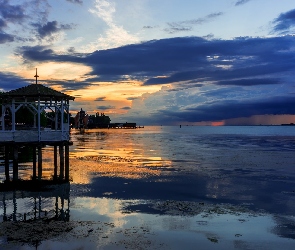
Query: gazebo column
point(39, 120)
point(56, 116)
point(3, 117)
point(62, 161)
point(13, 115)
point(62, 116)
point(15, 162)
point(39, 162)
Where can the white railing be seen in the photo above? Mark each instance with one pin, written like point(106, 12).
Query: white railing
point(34, 135)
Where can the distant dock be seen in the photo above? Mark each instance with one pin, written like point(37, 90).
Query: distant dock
point(126, 125)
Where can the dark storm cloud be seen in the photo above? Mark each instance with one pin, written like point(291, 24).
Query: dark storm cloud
point(220, 110)
point(261, 70)
point(285, 21)
point(241, 2)
point(11, 81)
point(183, 59)
point(50, 28)
point(44, 53)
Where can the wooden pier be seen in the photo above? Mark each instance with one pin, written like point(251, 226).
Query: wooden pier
point(37, 99)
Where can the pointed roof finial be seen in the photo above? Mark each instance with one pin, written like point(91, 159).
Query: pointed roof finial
point(36, 76)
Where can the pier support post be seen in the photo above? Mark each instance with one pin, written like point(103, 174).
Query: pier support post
point(62, 161)
point(6, 163)
point(39, 162)
point(15, 163)
point(34, 163)
point(55, 162)
point(67, 162)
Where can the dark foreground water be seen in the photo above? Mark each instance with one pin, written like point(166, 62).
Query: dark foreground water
point(162, 187)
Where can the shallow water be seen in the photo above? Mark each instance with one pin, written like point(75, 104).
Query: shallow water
point(167, 187)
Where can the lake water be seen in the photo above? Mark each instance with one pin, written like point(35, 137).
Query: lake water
point(228, 187)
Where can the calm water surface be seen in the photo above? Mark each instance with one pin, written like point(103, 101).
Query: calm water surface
point(158, 178)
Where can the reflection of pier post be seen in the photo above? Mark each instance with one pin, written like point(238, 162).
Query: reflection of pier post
point(14, 206)
point(4, 208)
point(6, 163)
point(60, 209)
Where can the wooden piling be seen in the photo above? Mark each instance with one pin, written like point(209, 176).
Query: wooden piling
point(62, 161)
point(39, 162)
point(67, 163)
point(55, 162)
point(34, 163)
point(15, 163)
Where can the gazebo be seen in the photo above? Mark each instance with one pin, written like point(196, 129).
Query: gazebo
point(37, 99)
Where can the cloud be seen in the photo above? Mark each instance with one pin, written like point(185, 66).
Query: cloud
point(4, 38)
point(175, 60)
point(115, 35)
point(188, 25)
point(204, 79)
point(249, 82)
point(105, 107)
point(75, 1)
point(284, 22)
point(2, 24)
point(241, 2)
point(12, 13)
point(149, 27)
point(132, 98)
point(177, 27)
point(100, 99)
point(126, 108)
point(50, 28)
point(217, 110)
point(9, 81)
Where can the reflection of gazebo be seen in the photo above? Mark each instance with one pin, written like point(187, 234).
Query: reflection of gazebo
point(36, 98)
point(33, 217)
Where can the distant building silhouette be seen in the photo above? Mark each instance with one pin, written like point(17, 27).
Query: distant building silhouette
point(81, 119)
point(99, 121)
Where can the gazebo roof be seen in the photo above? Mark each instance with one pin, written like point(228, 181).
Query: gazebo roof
point(34, 91)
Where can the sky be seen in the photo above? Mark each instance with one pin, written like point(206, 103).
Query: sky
point(168, 62)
